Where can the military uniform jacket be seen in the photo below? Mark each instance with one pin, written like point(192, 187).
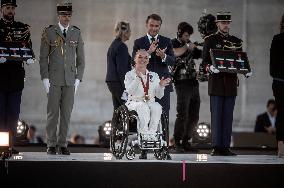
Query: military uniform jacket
point(221, 84)
point(62, 60)
point(12, 73)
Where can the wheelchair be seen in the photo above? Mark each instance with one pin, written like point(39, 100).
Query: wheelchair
point(124, 124)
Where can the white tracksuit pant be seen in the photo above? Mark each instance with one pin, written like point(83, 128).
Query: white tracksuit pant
point(149, 113)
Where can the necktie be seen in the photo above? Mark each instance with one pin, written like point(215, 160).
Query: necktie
point(153, 55)
point(64, 33)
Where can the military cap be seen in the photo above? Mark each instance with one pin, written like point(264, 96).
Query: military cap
point(8, 2)
point(64, 8)
point(223, 17)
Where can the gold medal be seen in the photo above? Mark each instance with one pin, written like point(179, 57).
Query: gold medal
point(146, 98)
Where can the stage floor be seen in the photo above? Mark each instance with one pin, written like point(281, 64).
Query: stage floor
point(176, 158)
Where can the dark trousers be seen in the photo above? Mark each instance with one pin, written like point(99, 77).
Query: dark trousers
point(188, 105)
point(116, 91)
point(10, 103)
point(165, 101)
point(222, 109)
point(278, 92)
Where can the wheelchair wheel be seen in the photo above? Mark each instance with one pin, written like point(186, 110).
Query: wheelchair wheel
point(119, 131)
point(130, 154)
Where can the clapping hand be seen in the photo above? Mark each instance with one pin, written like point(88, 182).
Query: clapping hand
point(153, 46)
point(165, 81)
point(161, 52)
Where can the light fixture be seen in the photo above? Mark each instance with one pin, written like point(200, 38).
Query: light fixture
point(4, 139)
point(202, 135)
point(22, 131)
point(104, 134)
point(5, 153)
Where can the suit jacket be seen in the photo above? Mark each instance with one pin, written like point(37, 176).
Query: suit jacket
point(262, 121)
point(277, 57)
point(118, 62)
point(155, 63)
point(62, 60)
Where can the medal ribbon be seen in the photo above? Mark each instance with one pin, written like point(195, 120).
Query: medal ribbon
point(145, 86)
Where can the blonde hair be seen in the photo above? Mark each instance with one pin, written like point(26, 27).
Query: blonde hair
point(140, 51)
point(282, 24)
point(121, 28)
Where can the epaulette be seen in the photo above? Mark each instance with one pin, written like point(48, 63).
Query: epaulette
point(76, 27)
point(237, 39)
point(208, 36)
point(21, 24)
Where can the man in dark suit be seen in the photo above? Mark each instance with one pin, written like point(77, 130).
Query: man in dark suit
point(161, 54)
point(265, 122)
point(277, 73)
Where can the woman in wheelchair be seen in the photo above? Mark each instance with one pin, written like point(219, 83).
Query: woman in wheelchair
point(142, 86)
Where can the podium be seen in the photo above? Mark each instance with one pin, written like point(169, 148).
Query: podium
point(230, 61)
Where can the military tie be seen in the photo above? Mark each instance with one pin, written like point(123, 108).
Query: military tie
point(64, 33)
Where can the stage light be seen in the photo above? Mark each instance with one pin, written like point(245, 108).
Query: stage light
point(5, 153)
point(202, 135)
point(203, 130)
point(22, 131)
point(107, 127)
point(4, 139)
point(104, 133)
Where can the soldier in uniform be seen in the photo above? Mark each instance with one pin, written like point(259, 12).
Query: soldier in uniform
point(12, 72)
point(222, 87)
point(186, 85)
point(62, 63)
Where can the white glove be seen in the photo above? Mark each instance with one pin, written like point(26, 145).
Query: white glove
point(46, 84)
point(213, 69)
point(30, 61)
point(3, 59)
point(76, 84)
point(249, 74)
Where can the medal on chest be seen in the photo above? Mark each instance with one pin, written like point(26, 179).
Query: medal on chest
point(146, 88)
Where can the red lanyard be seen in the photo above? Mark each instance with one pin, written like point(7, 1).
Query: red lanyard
point(145, 87)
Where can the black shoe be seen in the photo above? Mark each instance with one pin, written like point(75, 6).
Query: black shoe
point(14, 151)
point(63, 151)
point(227, 152)
point(215, 152)
point(51, 150)
point(168, 157)
point(143, 155)
point(188, 148)
point(179, 148)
